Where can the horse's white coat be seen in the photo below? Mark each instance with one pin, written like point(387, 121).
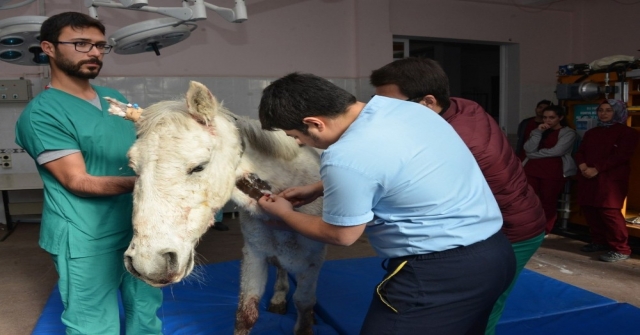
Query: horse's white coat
point(189, 155)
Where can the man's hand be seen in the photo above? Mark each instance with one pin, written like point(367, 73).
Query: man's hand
point(302, 195)
point(275, 205)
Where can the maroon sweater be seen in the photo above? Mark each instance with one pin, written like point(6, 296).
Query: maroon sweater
point(522, 213)
point(609, 150)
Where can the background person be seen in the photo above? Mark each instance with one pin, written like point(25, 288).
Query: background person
point(604, 161)
point(416, 190)
point(80, 151)
point(217, 221)
point(527, 125)
point(549, 162)
point(423, 81)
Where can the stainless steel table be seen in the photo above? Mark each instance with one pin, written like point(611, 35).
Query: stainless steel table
point(15, 182)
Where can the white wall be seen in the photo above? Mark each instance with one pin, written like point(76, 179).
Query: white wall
point(339, 39)
point(350, 38)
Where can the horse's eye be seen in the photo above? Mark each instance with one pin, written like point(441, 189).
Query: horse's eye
point(196, 169)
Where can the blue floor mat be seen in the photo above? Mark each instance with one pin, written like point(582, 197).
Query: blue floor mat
point(202, 306)
point(345, 288)
point(537, 305)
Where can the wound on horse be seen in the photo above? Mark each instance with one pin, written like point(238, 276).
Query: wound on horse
point(253, 186)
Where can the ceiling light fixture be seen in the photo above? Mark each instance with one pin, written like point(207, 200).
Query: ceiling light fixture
point(20, 40)
point(20, 35)
point(153, 35)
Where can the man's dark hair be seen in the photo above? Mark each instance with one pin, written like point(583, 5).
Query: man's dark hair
point(416, 78)
point(51, 27)
point(290, 99)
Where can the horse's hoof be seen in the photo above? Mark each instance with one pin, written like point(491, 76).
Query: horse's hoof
point(280, 308)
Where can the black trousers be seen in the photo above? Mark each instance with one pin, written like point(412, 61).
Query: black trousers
point(444, 293)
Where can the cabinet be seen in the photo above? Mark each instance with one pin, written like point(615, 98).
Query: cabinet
point(631, 208)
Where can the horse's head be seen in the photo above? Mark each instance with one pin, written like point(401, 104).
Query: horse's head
point(185, 157)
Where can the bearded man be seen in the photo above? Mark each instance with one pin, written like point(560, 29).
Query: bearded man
point(80, 152)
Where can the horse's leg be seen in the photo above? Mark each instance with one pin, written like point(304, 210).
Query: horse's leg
point(253, 278)
point(304, 299)
point(278, 303)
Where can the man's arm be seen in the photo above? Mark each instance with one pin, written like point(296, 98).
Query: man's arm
point(310, 226)
point(71, 172)
point(302, 195)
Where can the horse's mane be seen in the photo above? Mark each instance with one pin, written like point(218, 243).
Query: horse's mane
point(272, 143)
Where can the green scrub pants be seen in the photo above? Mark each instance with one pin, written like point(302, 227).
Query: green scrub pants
point(89, 289)
point(523, 251)
point(218, 216)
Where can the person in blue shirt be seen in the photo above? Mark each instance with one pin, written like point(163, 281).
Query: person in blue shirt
point(81, 154)
point(406, 178)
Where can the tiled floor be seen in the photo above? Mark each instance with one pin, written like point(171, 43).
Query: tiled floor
point(27, 273)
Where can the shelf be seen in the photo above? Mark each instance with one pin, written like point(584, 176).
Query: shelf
point(631, 208)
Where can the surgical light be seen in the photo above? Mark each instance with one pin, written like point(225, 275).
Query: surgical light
point(20, 36)
point(20, 40)
point(153, 35)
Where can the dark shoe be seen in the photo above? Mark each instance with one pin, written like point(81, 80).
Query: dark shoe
point(613, 256)
point(220, 226)
point(591, 247)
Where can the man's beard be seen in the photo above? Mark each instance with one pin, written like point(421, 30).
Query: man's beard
point(74, 70)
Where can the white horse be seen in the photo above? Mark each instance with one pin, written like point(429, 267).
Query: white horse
point(191, 158)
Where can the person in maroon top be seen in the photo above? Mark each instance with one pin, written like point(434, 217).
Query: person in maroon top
point(527, 125)
point(604, 160)
point(549, 162)
point(423, 81)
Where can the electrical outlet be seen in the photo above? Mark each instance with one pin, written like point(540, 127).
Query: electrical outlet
point(5, 160)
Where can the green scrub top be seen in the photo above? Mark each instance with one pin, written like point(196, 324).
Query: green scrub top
point(55, 120)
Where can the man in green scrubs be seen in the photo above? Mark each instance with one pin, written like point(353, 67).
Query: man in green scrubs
point(80, 151)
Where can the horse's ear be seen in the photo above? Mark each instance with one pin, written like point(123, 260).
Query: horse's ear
point(201, 103)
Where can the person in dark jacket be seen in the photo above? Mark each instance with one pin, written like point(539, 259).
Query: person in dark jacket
point(549, 162)
point(527, 125)
point(423, 81)
point(604, 159)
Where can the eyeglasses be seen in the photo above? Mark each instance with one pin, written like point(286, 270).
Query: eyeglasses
point(86, 47)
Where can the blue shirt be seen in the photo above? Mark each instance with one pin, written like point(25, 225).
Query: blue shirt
point(404, 171)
